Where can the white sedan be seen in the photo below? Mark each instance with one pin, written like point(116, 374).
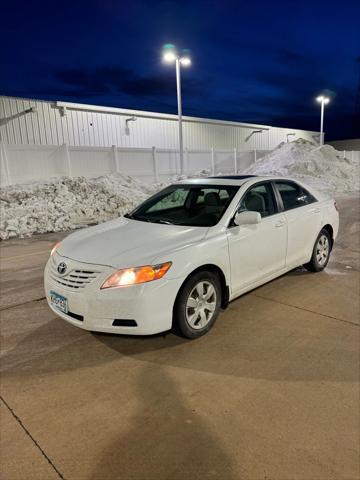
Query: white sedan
point(184, 253)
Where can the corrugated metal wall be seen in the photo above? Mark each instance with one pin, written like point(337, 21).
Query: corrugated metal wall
point(86, 125)
point(351, 144)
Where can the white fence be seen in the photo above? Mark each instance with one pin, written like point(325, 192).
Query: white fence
point(25, 163)
point(353, 155)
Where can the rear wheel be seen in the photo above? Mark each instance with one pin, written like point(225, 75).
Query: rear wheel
point(198, 304)
point(321, 252)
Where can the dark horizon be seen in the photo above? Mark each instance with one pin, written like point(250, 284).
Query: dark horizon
point(251, 63)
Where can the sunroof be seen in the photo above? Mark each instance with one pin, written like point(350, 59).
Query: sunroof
point(234, 177)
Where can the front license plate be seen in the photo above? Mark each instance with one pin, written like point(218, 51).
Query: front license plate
point(59, 302)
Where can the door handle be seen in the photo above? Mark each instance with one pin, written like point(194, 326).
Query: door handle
point(279, 224)
point(313, 211)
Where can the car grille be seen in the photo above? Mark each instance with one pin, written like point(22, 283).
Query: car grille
point(77, 278)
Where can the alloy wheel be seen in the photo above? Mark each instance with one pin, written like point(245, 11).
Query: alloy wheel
point(201, 305)
point(322, 250)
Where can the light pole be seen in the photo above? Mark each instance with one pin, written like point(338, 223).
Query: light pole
point(323, 101)
point(170, 56)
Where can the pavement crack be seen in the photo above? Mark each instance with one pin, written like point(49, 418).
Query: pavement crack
point(24, 303)
point(349, 322)
point(19, 421)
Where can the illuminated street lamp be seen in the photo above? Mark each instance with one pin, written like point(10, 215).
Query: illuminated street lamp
point(170, 56)
point(323, 101)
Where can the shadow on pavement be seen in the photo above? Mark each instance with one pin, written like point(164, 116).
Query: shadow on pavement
point(252, 339)
point(166, 440)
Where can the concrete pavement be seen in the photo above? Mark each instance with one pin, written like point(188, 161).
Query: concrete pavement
point(272, 392)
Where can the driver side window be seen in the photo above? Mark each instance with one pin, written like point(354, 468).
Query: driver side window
point(259, 198)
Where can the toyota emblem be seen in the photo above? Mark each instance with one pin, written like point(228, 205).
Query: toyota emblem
point(62, 268)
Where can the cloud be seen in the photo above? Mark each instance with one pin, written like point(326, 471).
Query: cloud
point(289, 56)
point(108, 79)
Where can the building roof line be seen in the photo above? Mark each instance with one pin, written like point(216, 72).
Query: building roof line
point(146, 114)
point(155, 115)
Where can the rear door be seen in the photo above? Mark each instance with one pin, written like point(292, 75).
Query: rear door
point(303, 216)
point(257, 251)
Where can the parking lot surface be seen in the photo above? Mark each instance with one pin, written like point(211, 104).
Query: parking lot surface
point(272, 392)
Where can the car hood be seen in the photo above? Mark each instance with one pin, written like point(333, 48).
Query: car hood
point(124, 243)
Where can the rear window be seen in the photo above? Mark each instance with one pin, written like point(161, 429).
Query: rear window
point(294, 195)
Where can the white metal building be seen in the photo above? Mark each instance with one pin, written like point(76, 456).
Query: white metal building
point(40, 140)
point(35, 122)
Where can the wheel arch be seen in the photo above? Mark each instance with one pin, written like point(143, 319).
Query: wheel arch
point(209, 267)
point(330, 231)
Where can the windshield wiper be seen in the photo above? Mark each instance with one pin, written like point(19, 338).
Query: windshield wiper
point(160, 220)
point(137, 217)
point(143, 218)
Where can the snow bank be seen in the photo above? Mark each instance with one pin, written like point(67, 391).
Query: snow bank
point(324, 168)
point(64, 204)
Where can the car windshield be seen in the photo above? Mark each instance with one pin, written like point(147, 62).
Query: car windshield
point(190, 205)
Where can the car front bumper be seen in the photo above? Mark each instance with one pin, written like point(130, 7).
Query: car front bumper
point(149, 306)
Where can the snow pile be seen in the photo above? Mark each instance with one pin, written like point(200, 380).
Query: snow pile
point(324, 168)
point(65, 203)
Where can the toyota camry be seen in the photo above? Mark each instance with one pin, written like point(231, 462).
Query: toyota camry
point(186, 252)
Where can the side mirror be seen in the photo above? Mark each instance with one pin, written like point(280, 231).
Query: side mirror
point(247, 218)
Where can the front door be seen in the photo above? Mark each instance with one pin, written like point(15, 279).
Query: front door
point(257, 251)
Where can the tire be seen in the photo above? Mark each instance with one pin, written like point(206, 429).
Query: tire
point(197, 305)
point(321, 252)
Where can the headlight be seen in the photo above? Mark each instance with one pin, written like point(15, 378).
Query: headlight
point(135, 275)
point(54, 248)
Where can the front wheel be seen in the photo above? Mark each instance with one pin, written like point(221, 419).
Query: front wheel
point(198, 304)
point(321, 252)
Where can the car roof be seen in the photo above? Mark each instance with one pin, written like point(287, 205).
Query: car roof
point(233, 177)
point(221, 180)
point(240, 180)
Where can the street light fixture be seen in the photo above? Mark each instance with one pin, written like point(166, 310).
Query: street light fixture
point(323, 100)
point(186, 61)
point(170, 56)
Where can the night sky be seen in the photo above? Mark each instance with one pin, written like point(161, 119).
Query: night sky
point(253, 61)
